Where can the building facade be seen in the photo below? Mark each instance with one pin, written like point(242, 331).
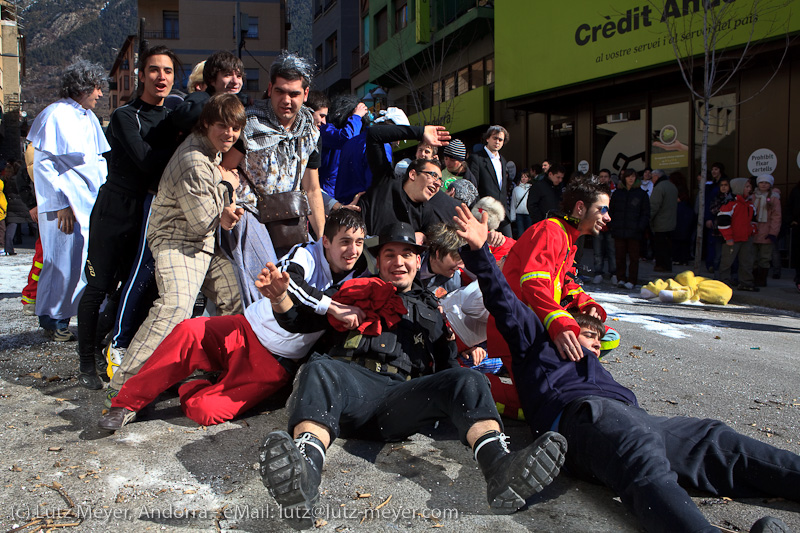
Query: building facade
point(11, 70)
point(335, 41)
point(195, 29)
point(600, 86)
point(122, 77)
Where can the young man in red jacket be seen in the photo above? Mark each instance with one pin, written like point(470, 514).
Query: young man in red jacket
point(540, 267)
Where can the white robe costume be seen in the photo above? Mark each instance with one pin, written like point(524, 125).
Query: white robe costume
point(69, 169)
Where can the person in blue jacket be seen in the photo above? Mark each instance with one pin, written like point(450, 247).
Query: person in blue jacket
point(645, 459)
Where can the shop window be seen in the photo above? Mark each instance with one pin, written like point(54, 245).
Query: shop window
point(670, 137)
point(561, 140)
point(619, 138)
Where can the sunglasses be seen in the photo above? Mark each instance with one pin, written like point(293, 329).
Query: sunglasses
point(431, 173)
point(604, 210)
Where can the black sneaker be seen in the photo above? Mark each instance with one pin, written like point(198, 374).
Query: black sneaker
point(291, 479)
point(747, 288)
point(519, 475)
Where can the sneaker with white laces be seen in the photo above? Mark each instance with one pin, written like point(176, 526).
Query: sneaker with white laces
point(597, 279)
point(114, 357)
point(29, 309)
point(61, 335)
point(614, 279)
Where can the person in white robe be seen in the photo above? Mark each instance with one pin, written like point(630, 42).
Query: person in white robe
point(69, 168)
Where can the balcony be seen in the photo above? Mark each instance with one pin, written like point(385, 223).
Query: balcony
point(166, 35)
point(357, 61)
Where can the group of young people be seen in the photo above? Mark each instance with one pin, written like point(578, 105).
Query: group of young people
point(370, 335)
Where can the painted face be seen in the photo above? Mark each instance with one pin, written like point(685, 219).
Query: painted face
point(287, 98)
point(228, 82)
point(589, 339)
point(398, 264)
point(447, 265)
point(595, 218)
point(424, 151)
point(222, 136)
point(157, 79)
point(344, 250)
point(495, 142)
point(321, 117)
point(89, 100)
point(423, 184)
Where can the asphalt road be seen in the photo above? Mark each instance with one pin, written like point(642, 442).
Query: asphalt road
point(164, 473)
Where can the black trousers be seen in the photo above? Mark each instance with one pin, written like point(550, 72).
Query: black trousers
point(350, 400)
point(662, 249)
point(647, 460)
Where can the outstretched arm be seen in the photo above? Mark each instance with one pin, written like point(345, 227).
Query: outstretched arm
point(274, 285)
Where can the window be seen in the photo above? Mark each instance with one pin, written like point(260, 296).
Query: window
point(171, 25)
point(463, 80)
point(318, 55)
point(114, 101)
point(381, 29)
point(252, 28)
point(476, 75)
point(401, 15)
point(437, 93)
point(489, 70)
point(365, 36)
point(126, 84)
point(449, 87)
point(331, 50)
point(125, 65)
point(251, 79)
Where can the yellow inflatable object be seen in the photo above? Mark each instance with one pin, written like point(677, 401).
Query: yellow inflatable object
point(688, 287)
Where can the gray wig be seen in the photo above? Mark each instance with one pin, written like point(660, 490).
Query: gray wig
point(292, 66)
point(80, 78)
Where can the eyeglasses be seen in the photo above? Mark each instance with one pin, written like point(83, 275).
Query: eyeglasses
point(604, 210)
point(431, 173)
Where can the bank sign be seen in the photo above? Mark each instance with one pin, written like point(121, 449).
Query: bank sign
point(543, 44)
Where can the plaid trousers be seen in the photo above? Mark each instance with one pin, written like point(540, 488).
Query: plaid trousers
point(180, 275)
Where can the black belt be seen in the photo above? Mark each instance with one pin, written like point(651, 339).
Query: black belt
point(290, 365)
point(374, 365)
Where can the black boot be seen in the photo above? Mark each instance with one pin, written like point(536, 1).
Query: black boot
point(760, 275)
point(512, 478)
point(292, 469)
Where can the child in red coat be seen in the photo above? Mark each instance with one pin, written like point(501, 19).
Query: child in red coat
point(736, 223)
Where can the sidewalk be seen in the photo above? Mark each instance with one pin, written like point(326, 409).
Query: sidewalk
point(779, 294)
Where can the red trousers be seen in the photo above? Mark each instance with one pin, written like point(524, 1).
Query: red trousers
point(29, 292)
point(226, 344)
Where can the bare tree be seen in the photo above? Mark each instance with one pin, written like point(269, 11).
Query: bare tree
point(708, 71)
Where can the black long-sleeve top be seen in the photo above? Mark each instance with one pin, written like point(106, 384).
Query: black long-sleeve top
point(142, 141)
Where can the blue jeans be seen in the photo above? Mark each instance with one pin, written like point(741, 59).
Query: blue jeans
point(52, 324)
point(603, 245)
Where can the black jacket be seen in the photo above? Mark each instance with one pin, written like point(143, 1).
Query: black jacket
point(481, 167)
point(418, 345)
point(543, 197)
point(630, 213)
point(385, 201)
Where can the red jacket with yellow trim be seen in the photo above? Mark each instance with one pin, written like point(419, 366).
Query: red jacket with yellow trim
point(536, 269)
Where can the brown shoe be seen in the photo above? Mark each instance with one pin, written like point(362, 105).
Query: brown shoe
point(115, 418)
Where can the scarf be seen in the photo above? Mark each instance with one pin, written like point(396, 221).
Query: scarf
point(276, 157)
point(760, 203)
